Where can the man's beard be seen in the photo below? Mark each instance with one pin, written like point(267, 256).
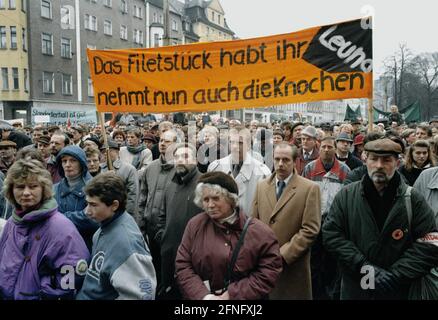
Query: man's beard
point(380, 177)
point(182, 170)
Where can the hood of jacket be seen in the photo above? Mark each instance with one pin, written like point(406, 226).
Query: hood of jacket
point(75, 152)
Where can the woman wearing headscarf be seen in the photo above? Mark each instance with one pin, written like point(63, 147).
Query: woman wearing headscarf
point(204, 266)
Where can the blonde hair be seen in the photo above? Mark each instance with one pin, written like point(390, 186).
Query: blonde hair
point(22, 171)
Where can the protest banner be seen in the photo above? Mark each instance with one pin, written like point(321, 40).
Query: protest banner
point(320, 63)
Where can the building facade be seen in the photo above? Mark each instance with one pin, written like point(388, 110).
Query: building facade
point(207, 19)
point(14, 61)
point(47, 41)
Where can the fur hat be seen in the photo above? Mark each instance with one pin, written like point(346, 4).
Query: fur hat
point(222, 179)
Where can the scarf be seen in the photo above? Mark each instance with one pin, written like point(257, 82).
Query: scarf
point(137, 154)
point(381, 205)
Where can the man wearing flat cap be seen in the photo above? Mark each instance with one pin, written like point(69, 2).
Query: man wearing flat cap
point(8, 151)
point(369, 231)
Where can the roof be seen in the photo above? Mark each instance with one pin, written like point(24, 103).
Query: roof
point(175, 6)
point(197, 14)
point(198, 3)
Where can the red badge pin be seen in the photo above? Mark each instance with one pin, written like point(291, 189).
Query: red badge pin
point(397, 234)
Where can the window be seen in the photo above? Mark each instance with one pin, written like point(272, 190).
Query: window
point(138, 12)
point(13, 37)
point(138, 36)
point(90, 22)
point(46, 9)
point(160, 20)
point(90, 88)
point(65, 48)
point(155, 17)
point(47, 43)
point(24, 39)
point(124, 6)
point(67, 84)
point(3, 37)
point(212, 16)
point(67, 18)
point(107, 3)
point(123, 32)
point(48, 82)
point(15, 79)
point(219, 19)
point(107, 27)
point(26, 81)
point(187, 27)
point(24, 5)
point(174, 25)
point(12, 4)
point(156, 40)
point(2, 4)
point(5, 79)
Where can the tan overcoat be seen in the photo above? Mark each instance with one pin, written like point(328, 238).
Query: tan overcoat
point(296, 220)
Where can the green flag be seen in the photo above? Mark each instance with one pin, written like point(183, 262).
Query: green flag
point(351, 114)
point(379, 115)
point(412, 113)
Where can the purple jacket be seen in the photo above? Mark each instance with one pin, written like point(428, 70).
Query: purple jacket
point(34, 248)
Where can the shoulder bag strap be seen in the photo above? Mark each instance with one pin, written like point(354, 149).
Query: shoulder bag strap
point(236, 253)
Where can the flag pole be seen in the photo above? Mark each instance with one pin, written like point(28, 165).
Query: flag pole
point(370, 115)
point(105, 141)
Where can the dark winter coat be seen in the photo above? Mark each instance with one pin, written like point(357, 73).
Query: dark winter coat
point(351, 234)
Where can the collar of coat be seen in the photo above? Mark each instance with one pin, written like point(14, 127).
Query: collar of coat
point(433, 182)
point(47, 209)
point(237, 225)
point(247, 167)
point(401, 184)
point(319, 169)
point(185, 179)
point(288, 192)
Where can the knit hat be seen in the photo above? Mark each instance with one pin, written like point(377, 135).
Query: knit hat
point(150, 137)
point(359, 139)
point(219, 178)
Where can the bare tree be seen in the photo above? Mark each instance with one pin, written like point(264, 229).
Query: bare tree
point(396, 68)
point(426, 66)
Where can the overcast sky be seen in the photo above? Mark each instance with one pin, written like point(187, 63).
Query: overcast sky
point(395, 21)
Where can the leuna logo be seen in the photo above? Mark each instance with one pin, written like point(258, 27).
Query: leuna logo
point(344, 47)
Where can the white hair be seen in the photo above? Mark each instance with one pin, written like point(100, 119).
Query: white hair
point(234, 198)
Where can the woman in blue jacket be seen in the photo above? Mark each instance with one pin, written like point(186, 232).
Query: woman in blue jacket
point(69, 192)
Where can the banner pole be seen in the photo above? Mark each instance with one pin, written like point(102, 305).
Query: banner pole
point(105, 141)
point(370, 115)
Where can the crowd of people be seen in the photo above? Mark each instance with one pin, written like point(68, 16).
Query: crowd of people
point(187, 208)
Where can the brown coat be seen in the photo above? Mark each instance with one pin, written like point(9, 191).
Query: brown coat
point(296, 220)
point(206, 250)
